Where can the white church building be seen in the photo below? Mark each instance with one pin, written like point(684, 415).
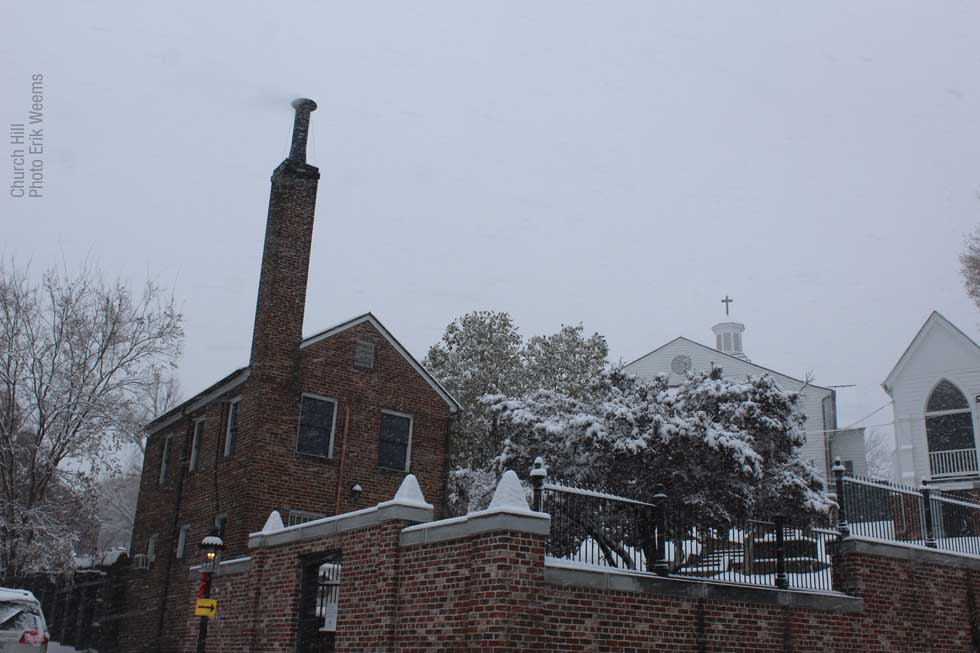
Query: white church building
point(934, 389)
point(824, 442)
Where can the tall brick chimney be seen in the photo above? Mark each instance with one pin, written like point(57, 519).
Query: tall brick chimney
point(286, 259)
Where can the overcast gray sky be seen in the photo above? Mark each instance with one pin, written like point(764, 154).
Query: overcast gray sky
point(622, 164)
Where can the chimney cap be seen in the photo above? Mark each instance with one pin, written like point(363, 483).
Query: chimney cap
point(301, 130)
point(303, 102)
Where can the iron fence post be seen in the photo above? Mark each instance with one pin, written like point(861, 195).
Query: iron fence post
point(538, 474)
point(782, 580)
point(660, 567)
point(842, 526)
point(927, 514)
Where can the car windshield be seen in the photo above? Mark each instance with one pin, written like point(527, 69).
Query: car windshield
point(18, 616)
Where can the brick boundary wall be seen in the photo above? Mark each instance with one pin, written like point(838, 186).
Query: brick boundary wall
point(482, 583)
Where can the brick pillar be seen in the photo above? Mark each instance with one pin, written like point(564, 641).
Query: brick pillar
point(507, 572)
point(472, 583)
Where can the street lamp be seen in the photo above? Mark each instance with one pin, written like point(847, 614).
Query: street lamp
point(211, 546)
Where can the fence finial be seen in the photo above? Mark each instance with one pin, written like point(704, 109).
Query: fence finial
point(538, 474)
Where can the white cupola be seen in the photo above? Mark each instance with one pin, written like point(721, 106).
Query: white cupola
point(728, 339)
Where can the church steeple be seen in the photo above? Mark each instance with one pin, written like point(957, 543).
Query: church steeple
point(728, 335)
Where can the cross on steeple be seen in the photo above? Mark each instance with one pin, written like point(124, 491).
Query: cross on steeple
point(726, 301)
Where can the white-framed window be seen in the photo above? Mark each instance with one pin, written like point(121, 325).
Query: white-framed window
point(231, 430)
point(182, 540)
point(317, 423)
point(395, 440)
point(151, 547)
point(297, 517)
point(728, 342)
point(949, 419)
point(164, 458)
point(196, 444)
point(738, 342)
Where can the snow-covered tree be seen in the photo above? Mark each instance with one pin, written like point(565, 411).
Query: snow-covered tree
point(566, 362)
point(878, 448)
point(76, 353)
point(479, 353)
point(482, 353)
point(723, 450)
point(970, 265)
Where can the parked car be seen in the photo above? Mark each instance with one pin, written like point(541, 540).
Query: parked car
point(22, 626)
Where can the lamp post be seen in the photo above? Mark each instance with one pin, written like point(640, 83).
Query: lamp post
point(211, 546)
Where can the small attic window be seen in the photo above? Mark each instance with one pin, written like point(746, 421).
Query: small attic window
point(364, 355)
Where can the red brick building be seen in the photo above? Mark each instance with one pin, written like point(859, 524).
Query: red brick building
point(311, 427)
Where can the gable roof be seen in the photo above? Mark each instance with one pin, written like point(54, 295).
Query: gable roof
point(199, 400)
point(454, 405)
point(714, 351)
point(239, 376)
point(935, 320)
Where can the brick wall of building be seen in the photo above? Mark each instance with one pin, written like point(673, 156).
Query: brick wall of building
point(267, 473)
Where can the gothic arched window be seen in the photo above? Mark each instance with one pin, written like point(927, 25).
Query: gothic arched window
point(949, 420)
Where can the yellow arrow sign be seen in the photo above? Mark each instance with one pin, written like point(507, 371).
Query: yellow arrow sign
point(206, 608)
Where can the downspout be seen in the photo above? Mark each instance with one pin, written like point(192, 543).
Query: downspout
point(343, 456)
point(181, 468)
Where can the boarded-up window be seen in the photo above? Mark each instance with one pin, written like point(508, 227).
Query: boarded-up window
point(364, 354)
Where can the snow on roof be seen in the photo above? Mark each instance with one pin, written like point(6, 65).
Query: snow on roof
point(14, 595)
point(273, 523)
point(409, 494)
point(110, 558)
point(509, 493)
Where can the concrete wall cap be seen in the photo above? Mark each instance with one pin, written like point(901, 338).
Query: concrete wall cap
point(348, 521)
point(566, 574)
point(228, 567)
point(907, 551)
point(475, 523)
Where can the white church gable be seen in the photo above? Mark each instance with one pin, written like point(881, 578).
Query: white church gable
point(939, 351)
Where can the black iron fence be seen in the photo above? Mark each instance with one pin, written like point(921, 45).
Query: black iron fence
point(600, 529)
point(889, 511)
point(604, 530)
